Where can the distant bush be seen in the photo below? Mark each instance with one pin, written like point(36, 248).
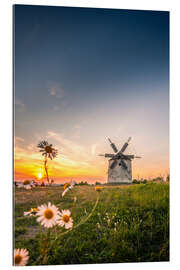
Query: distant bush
point(139, 182)
point(98, 183)
point(135, 181)
point(158, 179)
point(83, 183)
point(26, 182)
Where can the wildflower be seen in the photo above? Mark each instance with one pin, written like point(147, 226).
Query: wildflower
point(31, 212)
point(21, 257)
point(108, 221)
point(67, 187)
point(48, 215)
point(27, 186)
point(20, 185)
point(48, 152)
point(98, 189)
point(65, 219)
point(32, 184)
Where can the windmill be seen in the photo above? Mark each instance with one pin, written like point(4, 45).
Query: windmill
point(120, 169)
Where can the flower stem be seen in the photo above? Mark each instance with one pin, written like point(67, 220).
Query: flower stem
point(46, 169)
point(44, 251)
point(86, 219)
point(80, 223)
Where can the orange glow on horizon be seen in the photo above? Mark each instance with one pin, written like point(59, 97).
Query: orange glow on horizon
point(79, 165)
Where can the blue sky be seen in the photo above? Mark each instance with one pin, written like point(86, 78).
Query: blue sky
point(85, 74)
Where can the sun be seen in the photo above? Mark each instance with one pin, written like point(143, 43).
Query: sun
point(39, 175)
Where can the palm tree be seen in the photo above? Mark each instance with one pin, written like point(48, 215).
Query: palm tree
point(48, 152)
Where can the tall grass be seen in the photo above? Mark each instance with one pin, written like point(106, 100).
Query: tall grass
point(129, 224)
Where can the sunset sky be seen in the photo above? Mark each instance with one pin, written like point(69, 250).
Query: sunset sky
point(82, 75)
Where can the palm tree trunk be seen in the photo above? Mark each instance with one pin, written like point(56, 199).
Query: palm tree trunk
point(46, 169)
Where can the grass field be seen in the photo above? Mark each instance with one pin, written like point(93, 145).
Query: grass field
point(127, 224)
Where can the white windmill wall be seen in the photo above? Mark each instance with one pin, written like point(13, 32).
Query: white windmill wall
point(119, 174)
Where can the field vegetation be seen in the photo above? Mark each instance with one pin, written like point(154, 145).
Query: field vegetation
point(125, 223)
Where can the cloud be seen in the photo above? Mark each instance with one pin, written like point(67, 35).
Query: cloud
point(93, 149)
point(20, 106)
point(68, 147)
point(28, 152)
point(18, 139)
point(56, 90)
point(74, 160)
point(52, 91)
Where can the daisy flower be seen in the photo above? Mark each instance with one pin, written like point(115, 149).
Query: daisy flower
point(47, 150)
point(19, 185)
point(67, 187)
point(48, 215)
point(21, 257)
point(27, 186)
point(32, 212)
point(65, 219)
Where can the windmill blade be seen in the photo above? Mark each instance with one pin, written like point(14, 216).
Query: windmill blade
point(113, 146)
point(123, 164)
point(107, 155)
point(125, 145)
point(113, 164)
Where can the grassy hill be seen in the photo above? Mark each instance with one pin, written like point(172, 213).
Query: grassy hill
point(128, 224)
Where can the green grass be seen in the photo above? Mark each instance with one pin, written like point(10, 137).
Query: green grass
point(129, 224)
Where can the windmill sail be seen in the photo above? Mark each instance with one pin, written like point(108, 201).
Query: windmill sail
point(113, 146)
point(125, 146)
point(123, 164)
point(120, 169)
point(113, 164)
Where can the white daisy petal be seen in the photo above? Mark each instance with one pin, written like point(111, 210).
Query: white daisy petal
point(21, 257)
point(65, 219)
point(48, 215)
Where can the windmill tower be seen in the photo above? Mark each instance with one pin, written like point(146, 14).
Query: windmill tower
point(120, 169)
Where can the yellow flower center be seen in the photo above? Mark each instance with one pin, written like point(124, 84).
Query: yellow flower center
point(48, 213)
point(48, 149)
point(33, 210)
point(66, 218)
point(98, 189)
point(18, 259)
point(66, 185)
